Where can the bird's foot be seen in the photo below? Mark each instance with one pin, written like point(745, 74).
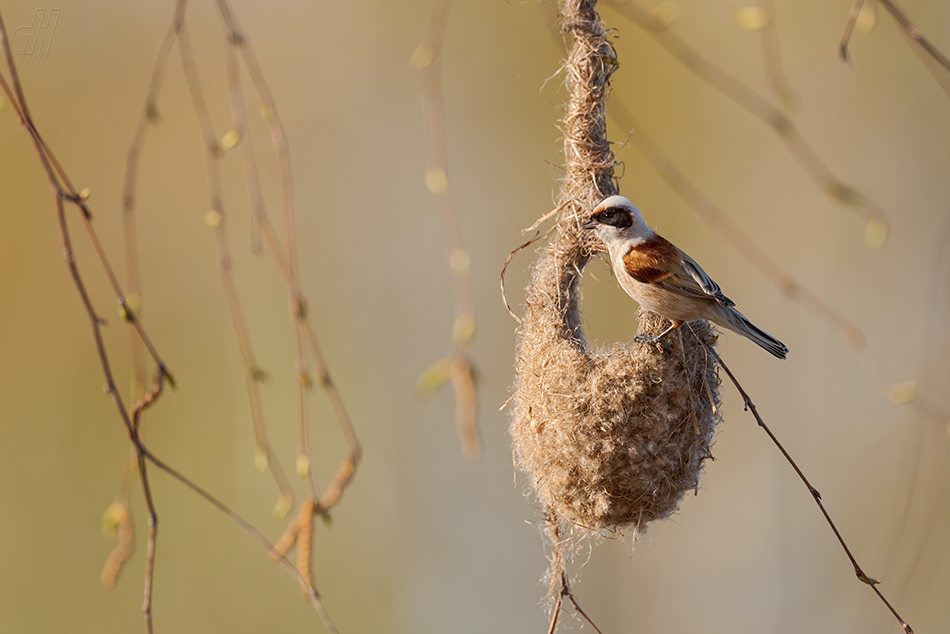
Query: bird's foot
point(652, 341)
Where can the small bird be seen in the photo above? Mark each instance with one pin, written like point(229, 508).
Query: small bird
point(663, 279)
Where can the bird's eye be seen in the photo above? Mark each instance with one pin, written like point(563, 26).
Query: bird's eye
point(615, 217)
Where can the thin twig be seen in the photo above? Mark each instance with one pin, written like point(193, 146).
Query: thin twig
point(760, 107)
point(921, 521)
point(97, 323)
point(559, 576)
point(849, 29)
point(143, 451)
point(133, 279)
point(929, 51)
point(64, 191)
point(456, 367)
point(556, 613)
point(304, 332)
point(263, 452)
point(256, 535)
point(297, 304)
point(859, 573)
point(504, 268)
point(772, 53)
point(911, 31)
point(216, 219)
point(348, 464)
point(284, 257)
point(135, 412)
point(542, 219)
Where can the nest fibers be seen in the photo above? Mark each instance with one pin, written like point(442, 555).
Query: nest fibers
point(616, 438)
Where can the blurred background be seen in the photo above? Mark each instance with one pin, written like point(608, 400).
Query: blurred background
point(425, 541)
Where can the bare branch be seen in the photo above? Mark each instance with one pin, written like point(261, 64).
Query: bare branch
point(459, 370)
point(858, 572)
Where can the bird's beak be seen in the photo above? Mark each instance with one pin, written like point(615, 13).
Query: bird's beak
point(590, 224)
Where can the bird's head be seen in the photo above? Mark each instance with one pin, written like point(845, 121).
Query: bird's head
point(615, 220)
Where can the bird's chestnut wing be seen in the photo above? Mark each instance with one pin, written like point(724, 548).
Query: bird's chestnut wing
point(659, 262)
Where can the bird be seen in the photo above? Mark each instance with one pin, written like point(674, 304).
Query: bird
point(663, 279)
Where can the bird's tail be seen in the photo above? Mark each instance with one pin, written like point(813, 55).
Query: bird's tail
point(736, 321)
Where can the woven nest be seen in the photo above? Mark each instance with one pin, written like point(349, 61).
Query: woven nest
point(615, 438)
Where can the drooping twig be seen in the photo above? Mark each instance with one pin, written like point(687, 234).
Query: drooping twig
point(772, 53)
point(236, 45)
point(934, 59)
point(177, 32)
point(296, 302)
point(849, 25)
point(911, 30)
point(65, 192)
point(216, 220)
point(456, 367)
point(559, 575)
point(758, 106)
point(921, 522)
point(284, 257)
point(858, 571)
point(148, 399)
point(504, 268)
point(137, 369)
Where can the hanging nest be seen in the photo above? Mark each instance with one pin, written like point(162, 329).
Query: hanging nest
point(609, 439)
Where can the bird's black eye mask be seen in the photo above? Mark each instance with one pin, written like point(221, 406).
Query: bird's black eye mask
point(614, 216)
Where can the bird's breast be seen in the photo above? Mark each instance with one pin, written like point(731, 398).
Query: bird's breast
point(653, 298)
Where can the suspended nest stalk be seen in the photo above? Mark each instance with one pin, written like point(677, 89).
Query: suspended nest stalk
point(615, 438)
